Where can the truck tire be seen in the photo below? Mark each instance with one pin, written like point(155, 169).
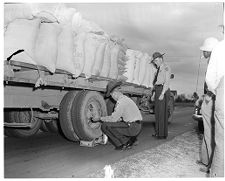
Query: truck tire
point(87, 104)
point(6, 130)
point(171, 108)
point(52, 126)
point(43, 127)
point(22, 117)
point(65, 118)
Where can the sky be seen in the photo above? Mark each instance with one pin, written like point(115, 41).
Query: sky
point(177, 29)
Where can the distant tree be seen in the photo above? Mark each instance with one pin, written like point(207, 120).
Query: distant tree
point(182, 98)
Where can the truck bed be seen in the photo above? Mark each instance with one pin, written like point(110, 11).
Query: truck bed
point(24, 73)
point(27, 85)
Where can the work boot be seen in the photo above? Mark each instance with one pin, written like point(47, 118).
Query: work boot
point(130, 142)
point(155, 135)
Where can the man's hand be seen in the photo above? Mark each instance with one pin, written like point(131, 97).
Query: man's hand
point(96, 119)
point(161, 97)
point(153, 97)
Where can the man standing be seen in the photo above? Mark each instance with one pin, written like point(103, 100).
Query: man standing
point(215, 82)
point(162, 93)
point(124, 125)
point(205, 103)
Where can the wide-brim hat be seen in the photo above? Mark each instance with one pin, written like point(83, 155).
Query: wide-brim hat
point(156, 55)
point(111, 86)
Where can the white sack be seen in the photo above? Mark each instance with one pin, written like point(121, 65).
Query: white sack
point(65, 15)
point(82, 25)
point(52, 12)
point(16, 11)
point(152, 73)
point(46, 46)
point(91, 44)
point(99, 58)
point(79, 53)
point(138, 56)
point(148, 76)
point(143, 65)
point(46, 17)
point(121, 78)
point(53, 8)
point(107, 61)
point(122, 55)
point(130, 64)
point(76, 21)
point(21, 34)
point(114, 61)
point(121, 62)
point(65, 57)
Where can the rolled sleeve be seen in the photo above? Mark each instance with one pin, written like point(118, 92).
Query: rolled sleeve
point(215, 69)
point(167, 79)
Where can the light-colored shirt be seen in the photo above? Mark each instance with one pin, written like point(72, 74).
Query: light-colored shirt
point(216, 66)
point(126, 109)
point(164, 77)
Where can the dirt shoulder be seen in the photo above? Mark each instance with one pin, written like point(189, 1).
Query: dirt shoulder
point(176, 158)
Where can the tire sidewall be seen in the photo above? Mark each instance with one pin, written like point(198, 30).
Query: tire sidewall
point(86, 132)
point(16, 116)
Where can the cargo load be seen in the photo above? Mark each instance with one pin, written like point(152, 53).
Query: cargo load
point(14, 39)
point(46, 46)
point(58, 37)
point(57, 66)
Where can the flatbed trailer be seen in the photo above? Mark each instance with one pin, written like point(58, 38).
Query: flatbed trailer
point(34, 98)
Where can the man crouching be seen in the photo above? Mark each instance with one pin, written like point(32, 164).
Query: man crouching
point(124, 125)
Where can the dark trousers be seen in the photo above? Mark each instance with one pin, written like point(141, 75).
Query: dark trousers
point(161, 112)
point(120, 132)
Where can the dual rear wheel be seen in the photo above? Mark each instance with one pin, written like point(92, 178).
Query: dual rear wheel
point(21, 116)
point(75, 113)
point(76, 110)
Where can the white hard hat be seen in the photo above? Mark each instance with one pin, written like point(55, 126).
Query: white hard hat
point(209, 44)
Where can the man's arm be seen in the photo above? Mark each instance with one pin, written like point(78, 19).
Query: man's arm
point(215, 69)
point(167, 79)
point(116, 115)
point(211, 74)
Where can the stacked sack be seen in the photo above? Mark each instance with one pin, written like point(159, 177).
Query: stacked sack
point(138, 56)
point(139, 69)
point(57, 37)
point(120, 57)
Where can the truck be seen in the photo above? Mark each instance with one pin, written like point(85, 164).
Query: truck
point(35, 98)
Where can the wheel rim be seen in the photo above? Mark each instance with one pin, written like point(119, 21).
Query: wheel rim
point(92, 109)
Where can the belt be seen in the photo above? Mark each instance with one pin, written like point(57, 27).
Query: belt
point(138, 121)
point(158, 85)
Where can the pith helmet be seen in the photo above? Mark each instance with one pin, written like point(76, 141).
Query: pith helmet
point(209, 44)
